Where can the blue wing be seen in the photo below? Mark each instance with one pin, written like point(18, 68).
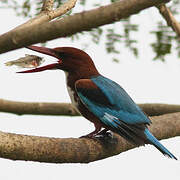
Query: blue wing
point(113, 106)
point(109, 101)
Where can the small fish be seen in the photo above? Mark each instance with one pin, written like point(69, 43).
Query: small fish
point(29, 61)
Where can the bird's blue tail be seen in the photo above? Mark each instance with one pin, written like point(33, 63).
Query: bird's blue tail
point(157, 144)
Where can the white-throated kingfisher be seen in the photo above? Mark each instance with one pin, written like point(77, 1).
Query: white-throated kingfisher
point(99, 99)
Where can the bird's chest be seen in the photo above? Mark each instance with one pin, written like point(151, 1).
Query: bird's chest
point(73, 96)
point(76, 100)
point(80, 106)
point(71, 90)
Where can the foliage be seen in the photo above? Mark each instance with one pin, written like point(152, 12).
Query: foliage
point(163, 44)
point(163, 35)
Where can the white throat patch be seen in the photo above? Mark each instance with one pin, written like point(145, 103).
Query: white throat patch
point(70, 92)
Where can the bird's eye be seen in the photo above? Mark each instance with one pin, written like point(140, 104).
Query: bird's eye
point(61, 55)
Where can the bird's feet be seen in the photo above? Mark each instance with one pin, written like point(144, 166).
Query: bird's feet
point(104, 133)
point(90, 135)
point(98, 134)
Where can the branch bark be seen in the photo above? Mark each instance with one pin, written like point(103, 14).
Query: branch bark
point(78, 150)
point(169, 18)
point(72, 24)
point(67, 109)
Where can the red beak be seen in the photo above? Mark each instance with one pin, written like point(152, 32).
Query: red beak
point(47, 51)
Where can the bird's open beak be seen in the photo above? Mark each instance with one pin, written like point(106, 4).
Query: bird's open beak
point(43, 50)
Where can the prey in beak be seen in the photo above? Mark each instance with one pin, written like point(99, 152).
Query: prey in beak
point(47, 51)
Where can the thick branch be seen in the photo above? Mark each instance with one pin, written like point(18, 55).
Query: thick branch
point(75, 150)
point(170, 19)
point(67, 109)
point(72, 24)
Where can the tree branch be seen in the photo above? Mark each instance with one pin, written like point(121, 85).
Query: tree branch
point(156, 109)
point(37, 108)
point(47, 14)
point(63, 9)
point(67, 109)
point(170, 19)
point(72, 24)
point(78, 150)
point(47, 5)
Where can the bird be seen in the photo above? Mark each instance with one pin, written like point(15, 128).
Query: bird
point(99, 99)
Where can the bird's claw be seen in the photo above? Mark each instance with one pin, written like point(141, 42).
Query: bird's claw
point(104, 133)
point(101, 134)
point(90, 136)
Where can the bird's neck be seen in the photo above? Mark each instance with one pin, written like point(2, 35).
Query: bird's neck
point(72, 77)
